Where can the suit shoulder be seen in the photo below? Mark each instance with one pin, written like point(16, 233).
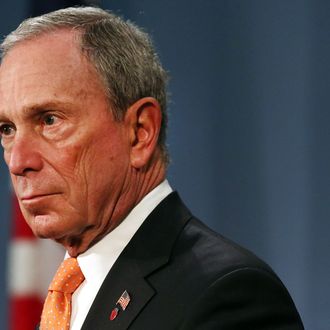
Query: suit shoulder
point(214, 253)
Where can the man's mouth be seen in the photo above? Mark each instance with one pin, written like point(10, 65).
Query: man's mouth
point(36, 197)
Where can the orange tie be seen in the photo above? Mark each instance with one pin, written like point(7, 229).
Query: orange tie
point(56, 313)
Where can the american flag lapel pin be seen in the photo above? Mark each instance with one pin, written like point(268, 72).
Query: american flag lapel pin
point(124, 300)
point(121, 304)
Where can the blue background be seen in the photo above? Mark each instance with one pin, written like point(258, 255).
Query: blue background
point(249, 128)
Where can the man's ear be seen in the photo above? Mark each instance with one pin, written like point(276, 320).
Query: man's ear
point(143, 120)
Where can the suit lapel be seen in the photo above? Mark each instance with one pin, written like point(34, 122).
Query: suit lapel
point(148, 250)
point(112, 288)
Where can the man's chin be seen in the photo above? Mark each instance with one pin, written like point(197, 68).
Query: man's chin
point(45, 226)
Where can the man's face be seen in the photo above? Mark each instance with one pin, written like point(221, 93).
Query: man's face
point(68, 159)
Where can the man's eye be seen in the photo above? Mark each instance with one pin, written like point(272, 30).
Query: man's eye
point(49, 119)
point(6, 130)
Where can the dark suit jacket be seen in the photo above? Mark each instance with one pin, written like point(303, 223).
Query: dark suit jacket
point(182, 275)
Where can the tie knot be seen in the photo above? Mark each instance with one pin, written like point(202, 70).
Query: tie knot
point(68, 277)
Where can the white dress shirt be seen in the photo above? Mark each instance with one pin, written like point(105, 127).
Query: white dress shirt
point(97, 261)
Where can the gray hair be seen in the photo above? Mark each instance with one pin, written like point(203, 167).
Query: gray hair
point(122, 54)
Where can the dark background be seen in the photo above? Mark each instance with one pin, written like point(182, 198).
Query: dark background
point(249, 128)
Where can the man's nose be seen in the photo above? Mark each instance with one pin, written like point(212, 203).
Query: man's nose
point(23, 157)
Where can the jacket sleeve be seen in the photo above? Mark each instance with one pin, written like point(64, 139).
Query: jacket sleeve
point(246, 299)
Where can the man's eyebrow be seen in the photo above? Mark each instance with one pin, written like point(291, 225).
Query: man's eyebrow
point(34, 109)
point(48, 105)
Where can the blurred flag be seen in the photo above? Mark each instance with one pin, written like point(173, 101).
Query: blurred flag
point(32, 262)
